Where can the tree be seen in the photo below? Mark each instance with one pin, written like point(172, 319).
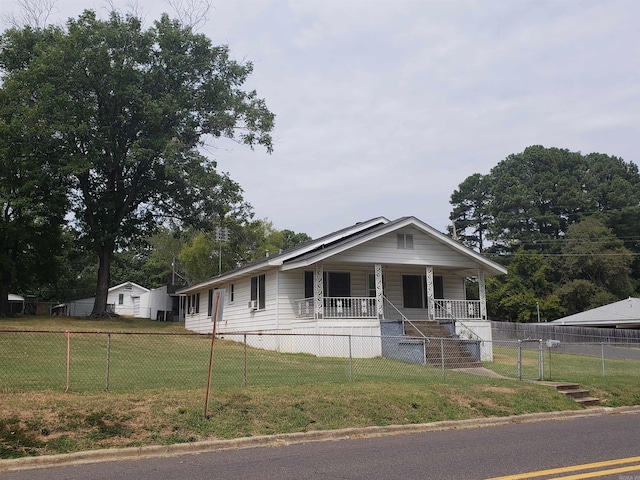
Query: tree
point(32, 202)
point(525, 290)
point(470, 215)
point(536, 195)
point(592, 253)
point(292, 239)
point(129, 108)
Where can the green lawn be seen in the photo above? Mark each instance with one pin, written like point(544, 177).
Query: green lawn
point(157, 376)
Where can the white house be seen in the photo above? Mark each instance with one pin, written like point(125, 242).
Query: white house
point(162, 304)
point(349, 282)
point(123, 299)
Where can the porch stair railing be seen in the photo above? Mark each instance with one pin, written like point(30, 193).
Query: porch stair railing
point(405, 320)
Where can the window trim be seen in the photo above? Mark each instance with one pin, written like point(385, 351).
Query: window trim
point(405, 241)
point(258, 290)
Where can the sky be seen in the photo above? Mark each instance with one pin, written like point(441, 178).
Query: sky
point(383, 107)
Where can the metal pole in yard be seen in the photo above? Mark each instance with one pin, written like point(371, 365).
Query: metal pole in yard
point(424, 351)
point(213, 337)
point(106, 383)
point(350, 362)
point(602, 348)
point(519, 360)
point(442, 358)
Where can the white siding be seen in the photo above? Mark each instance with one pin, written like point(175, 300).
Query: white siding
point(237, 317)
point(129, 293)
point(426, 251)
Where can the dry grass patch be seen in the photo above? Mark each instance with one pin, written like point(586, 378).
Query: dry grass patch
point(52, 422)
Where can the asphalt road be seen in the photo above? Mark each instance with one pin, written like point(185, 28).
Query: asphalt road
point(457, 453)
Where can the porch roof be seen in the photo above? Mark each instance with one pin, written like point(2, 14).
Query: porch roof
point(325, 247)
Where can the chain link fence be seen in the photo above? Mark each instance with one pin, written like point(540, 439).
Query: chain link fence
point(119, 362)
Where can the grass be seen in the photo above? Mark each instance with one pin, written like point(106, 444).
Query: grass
point(157, 385)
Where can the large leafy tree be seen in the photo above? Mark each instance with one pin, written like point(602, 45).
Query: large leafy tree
point(536, 195)
point(128, 108)
point(580, 211)
point(525, 292)
point(595, 266)
point(32, 200)
point(471, 217)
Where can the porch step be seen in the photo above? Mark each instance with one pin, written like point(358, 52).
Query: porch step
point(451, 353)
point(428, 328)
point(573, 391)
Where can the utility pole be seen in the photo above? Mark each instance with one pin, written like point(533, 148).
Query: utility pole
point(222, 235)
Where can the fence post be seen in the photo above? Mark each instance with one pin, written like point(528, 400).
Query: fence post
point(68, 333)
point(602, 348)
point(244, 369)
point(350, 362)
point(106, 384)
point(540, 360)
point(442, 358)
point(519, 367)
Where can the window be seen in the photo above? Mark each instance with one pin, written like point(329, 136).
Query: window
point(405, 241)
point(258, 290)
point(338, 284)
point(193, 303)
point(210, 303)
point(414, 290)
point(120, 298)
point(232, 293)
point(308, 284)
point(335, 284)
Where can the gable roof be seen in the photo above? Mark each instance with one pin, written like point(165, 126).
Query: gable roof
point(622, 314)
point(329, 245)
point(128, 283)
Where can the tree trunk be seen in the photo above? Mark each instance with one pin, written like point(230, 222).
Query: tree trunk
point(105, 254)
point(4, 295)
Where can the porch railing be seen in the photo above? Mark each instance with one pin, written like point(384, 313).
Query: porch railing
point(339, 307)
point(365, 307)
point(457, 309)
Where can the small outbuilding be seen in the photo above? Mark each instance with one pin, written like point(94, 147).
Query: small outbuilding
point(15, 304)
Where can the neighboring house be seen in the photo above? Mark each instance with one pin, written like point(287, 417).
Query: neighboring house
point(622, 314)
point(123, 299)
point(162, 304)
point(349, 282)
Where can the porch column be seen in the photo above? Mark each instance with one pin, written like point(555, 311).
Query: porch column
point(483, 296)
point(379, 292)
point(318, 291)
point(430, 295)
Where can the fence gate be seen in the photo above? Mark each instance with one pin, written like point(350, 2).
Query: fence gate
point(530, 359)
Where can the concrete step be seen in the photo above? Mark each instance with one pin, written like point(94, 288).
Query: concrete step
point(573, 391)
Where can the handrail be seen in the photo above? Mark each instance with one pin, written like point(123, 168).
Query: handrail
point(405, 319)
